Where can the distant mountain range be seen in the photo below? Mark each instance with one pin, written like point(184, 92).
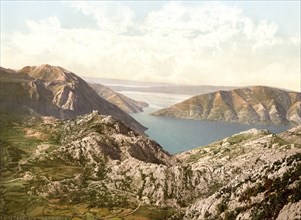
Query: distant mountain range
point(123, 102)
point(53, 91)
point(173, 89)
point(250, 105)
point(153, 87)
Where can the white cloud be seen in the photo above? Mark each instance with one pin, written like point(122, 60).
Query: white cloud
point(176, 18)
point(295, 40)
point(44, 35)
point(110, 16)
point(207, 44)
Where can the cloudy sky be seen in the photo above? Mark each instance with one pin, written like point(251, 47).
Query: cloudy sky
point(235, 43)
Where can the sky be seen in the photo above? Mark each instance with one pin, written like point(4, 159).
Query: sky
point(230, 43)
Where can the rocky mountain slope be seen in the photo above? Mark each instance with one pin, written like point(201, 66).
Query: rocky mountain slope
point(95, 167)
point(123, 102)
point(86, 167)
point(54, 91)
point(257, 175)
point(252, 105)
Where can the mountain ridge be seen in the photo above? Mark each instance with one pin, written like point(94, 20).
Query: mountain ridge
point(123, 102)
point(54, 91)
point(249, 105)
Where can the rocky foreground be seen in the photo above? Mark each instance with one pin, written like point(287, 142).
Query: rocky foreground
point(250, 105)
point(95, 167)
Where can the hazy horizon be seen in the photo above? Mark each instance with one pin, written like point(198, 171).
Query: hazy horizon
point(88, 80)
point(227, 43)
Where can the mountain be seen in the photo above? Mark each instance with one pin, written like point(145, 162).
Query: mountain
point(53, 91)
point(251, 105)
point(123, 102)
point(96, 167)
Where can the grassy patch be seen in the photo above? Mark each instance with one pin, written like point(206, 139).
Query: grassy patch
point(239, 138)
point(155, 213)
point(194, 157)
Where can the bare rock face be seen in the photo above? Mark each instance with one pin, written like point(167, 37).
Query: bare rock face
point(292, 136)
point(253, 105)
point(254, 174)
point(53, 91)
point(103, 137)
point(123, 102)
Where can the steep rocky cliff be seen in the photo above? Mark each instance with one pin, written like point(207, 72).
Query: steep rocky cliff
point(53, 91)
point(252, 105)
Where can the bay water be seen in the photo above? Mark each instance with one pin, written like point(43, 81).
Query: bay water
point(177, 135)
